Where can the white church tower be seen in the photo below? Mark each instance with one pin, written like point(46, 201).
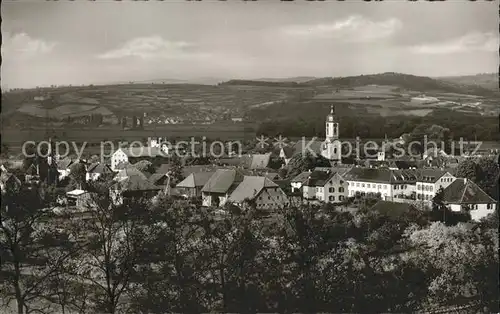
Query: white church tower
point(331, 148)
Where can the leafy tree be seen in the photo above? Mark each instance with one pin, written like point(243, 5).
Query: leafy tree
point(488, 176)
point(144, 166)
point(176, 170)
point(33, 249)
point(469, 169)
point(112, 238)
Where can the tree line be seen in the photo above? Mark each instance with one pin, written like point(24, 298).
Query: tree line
point(170, 255)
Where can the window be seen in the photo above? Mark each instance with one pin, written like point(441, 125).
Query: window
point(357, 184)
point(331, 198)
point(332, 190)
point(395, 187)
point(378, 186)
point(362, 185)
point(385, 187)
point(432, 188)
point(488, 206)
point(341, 189)
point(419, 187)
point(341, 197)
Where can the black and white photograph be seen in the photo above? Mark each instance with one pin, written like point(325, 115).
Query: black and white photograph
point(258, 156)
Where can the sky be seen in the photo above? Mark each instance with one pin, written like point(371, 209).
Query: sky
point(84, 42)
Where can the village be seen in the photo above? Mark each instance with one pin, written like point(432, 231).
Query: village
point(409, 183)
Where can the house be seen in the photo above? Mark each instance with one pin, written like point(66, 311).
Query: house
point(78, 199)
point(260, 190)
point(135, 153)
point(220, 185)
point(389, 184)
point(259, 161)
point(96, 171)
point(286, 153)
point(324, 186)
point(191, 186)
point(298, 181)
point(465, 195)
point(63, 167)
point(132, 186)
point(429, 182)
point(9, 181)
point(31, 174)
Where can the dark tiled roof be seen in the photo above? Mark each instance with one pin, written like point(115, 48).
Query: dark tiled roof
point(250, 187)
point(319, 178)
point(302, 177)
point(196, 179)
point(430, 175)
point(99, 168)
point(288, 151)
point(463, 191)
point(222, 181)
point(158, 179)
point(382, 175)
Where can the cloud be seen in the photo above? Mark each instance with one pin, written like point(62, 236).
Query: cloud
point(471, 42)
point(355, 28)
point(151, 47)
point(22, 44)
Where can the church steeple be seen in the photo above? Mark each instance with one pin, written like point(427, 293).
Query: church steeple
point(332, 146)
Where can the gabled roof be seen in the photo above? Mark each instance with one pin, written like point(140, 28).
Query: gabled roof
point(250, 187)
point(135, 183)
point(260, 161)
point(272, 176)
point(430, 175)
point(340, 170)
point(288, 151)
point(301, 177)
point(99, 168)
point(464, 191)
point(64, 164)
point(392, 209)
point(31, 171)
point(319, 178)
point(222, 181)
point(382, 175)
point(196, 179)
point(128, 172)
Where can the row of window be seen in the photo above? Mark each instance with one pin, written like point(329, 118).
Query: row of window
point(428, 188)
point(330, 190)
point(426, 197)
point(402, 187)
point(373, 185)
point(446, 179)
point(331, 198)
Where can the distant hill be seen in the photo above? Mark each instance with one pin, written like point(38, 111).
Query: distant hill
point(298, 79)
point(405, 81)
point(261, 83)
point(484, 80)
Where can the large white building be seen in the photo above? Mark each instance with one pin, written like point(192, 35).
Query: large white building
point(430, 181)
point(331, 147)
point(390, 184)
